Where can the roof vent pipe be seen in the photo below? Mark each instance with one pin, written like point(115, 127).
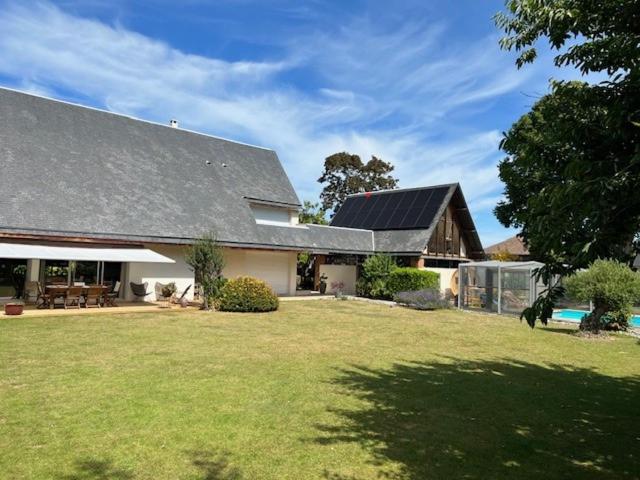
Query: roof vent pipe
point(173, 123)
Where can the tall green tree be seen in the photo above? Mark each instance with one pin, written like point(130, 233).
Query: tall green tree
point(345, 174)
point(573, 165)
point(206, 258)
point(312, 213)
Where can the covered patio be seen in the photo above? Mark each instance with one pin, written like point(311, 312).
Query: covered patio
point(54, 275)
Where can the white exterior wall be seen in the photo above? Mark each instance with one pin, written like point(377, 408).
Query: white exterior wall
point(278, 269)
point(445, 276)
point(33, 270)
point(271, 215)
point(340, 273)
point(178, 272)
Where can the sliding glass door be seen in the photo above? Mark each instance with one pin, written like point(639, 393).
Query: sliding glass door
point(87, 273)
point(111, 272)
point(12, 276)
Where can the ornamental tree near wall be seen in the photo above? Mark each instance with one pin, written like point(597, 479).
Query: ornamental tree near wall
point(206, 258)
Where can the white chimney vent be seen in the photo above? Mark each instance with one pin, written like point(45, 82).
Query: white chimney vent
point(173, 123)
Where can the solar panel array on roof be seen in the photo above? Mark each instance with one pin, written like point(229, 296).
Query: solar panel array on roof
point(399, 210)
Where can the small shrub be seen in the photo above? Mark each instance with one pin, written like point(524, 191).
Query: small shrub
point(247, 294)
point(216, 291)
point(426, 299)
point(375, 273)
point(409, 279)
point(169, 290)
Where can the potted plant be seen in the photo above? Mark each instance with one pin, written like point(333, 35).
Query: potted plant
point(168, 291)
point(337, 287)
point(13, 308)
point(323, 284)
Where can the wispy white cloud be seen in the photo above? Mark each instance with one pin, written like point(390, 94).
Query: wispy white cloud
point(384, 92)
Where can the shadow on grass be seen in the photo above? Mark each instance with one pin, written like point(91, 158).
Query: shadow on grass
point(94, 469)
point(478, 420)
point(565, 331)
point(214, 466)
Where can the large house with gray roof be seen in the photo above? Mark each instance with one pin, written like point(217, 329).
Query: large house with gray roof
point(121, 197)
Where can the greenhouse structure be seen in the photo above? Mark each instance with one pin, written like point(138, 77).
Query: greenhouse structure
point(498, 287)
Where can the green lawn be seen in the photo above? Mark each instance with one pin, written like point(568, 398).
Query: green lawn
point(321, 389)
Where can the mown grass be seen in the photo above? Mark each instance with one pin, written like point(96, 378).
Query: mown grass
point(321, 389)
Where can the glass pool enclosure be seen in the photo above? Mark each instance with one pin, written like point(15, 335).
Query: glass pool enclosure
point(498, 287)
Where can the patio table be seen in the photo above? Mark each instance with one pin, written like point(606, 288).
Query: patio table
point(55, 290)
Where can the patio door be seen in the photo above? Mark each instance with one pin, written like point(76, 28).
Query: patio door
point(111, 273)
point(12, 277)
point(87, 273)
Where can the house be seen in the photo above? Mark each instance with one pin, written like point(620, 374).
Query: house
point(121, 198)
point(426, 227)
point(513, 248)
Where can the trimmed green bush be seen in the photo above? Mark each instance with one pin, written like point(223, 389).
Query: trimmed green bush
point(375, 272)
point(409, 279)
point(247, 294)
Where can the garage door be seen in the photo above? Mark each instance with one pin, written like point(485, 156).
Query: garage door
point(272, 267)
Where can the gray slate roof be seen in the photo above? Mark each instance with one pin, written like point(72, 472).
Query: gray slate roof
point(319, 238)
point(72, 169)
point(69, 170)
point(401, 241)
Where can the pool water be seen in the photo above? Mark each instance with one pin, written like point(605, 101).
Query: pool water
point(576, 315)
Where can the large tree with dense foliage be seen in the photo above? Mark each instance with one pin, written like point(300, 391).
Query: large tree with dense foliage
point(573, 166)
point(345, 174)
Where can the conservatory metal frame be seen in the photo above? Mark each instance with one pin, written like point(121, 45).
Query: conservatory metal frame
point(499, 271)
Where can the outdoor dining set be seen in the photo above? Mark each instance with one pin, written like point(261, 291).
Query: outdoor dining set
point(75, 296)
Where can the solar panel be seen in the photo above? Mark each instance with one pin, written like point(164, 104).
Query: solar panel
point(403, 209)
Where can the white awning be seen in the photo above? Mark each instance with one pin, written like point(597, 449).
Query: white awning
point(81, 254)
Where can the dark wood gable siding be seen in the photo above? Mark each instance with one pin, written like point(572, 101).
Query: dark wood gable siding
point(448, 239)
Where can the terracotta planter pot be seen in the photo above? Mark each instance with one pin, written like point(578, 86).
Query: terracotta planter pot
point(13, 309)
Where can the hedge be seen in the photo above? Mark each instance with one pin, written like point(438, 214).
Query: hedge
point(247, 294)
point(409, 279)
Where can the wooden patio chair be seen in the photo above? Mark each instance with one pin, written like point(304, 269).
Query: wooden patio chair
point(73, 297)
point(139, 289)
point(43, 300)
point(93, 297)
point(111, 297)
point(58, 293)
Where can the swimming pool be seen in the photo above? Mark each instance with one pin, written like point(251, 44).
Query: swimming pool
point(576, 315)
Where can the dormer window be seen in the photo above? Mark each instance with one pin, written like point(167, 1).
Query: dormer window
point(274, 213)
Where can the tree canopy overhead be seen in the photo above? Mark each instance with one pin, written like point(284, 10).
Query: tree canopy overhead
point(573, 166)
point(345, 174)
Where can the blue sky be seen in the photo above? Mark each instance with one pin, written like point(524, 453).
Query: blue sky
point(421, 84)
